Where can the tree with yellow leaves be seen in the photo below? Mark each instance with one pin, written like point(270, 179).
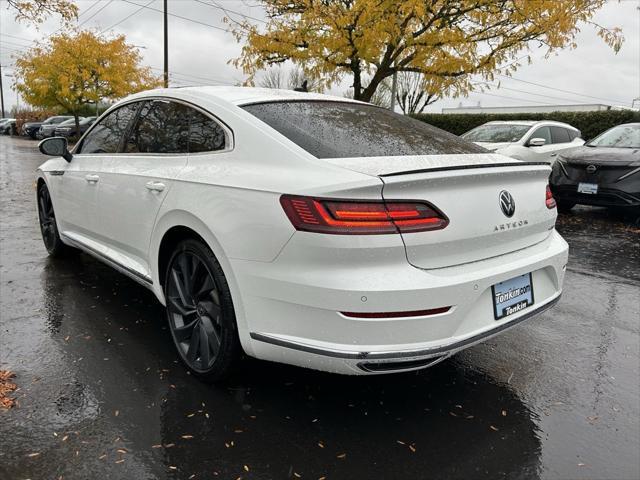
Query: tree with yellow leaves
point(447, 41)
point(72, 70)
point(37, 11)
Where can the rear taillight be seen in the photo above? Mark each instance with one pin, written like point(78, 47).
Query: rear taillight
point(347, 217)
point(549, 200)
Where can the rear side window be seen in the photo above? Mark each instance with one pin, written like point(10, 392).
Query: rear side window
point(170, 127)
point(340, 129)
point(205, 135)
point(560, 135)
point(106, 136)
point(542, 132)
point(161, 127)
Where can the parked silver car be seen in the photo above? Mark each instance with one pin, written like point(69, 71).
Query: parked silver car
point(527, 140)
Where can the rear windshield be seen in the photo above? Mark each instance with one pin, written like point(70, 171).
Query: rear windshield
point(328, 129)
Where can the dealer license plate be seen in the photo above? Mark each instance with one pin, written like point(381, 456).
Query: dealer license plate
point(512, 296)
point(588, 188)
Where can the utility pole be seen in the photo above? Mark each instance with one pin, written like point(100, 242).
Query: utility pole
point(394, 89)
point(166, 48)
point(1, 92)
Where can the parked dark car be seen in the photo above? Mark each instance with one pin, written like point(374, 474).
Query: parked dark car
point(30, 129)
point(604, 172)
point(8, 126)
point(68, 129)
point(48, 127)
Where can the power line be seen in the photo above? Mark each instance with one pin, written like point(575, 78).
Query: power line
point(561, 90)
point(501, 87)
point(128, 17)
point(89, 9)
point(227, 10)
point(18, 38)
point(11, 43)
point(197, 77)
point(511, 98)
point(178, 16)
point(96, 13)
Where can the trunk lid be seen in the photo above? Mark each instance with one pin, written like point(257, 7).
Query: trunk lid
point(466, 188)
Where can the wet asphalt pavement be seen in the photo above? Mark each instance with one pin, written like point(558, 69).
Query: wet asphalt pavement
point(101, 394)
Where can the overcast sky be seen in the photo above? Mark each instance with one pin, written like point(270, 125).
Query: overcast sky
point(198, 53)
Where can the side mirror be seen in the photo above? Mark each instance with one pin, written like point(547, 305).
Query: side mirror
point(56, 147)
point(536, 142)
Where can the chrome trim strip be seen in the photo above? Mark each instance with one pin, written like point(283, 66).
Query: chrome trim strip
point(628, 174)
point(129, 272)
point(444, 349)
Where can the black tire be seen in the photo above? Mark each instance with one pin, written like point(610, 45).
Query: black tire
point(49, 227)
point(200, 312)
point(565, 206)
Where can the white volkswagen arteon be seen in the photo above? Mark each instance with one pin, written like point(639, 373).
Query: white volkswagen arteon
point(305, 229)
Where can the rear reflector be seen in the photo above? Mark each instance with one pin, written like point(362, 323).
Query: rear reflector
point(347, 217)
point(414, 313)
point(549, 200)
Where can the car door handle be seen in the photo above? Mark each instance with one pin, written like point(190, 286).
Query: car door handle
point(92, 178)
point(155, 186)
point(554, 154)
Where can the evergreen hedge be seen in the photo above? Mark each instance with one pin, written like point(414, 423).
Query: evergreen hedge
point(591, 124)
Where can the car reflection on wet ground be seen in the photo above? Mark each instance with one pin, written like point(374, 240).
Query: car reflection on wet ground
point(101, 393)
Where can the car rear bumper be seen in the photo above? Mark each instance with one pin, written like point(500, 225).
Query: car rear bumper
point(606, 197)
point(293, 314)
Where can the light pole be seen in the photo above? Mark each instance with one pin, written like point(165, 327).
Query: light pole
point(166, 48)
point(1, 92)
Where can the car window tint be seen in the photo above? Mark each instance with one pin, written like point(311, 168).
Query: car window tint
point(161, 127)
point(560, 135)
point(205, 134)
point(329, 129)
point(105, 137)
point(542, 132)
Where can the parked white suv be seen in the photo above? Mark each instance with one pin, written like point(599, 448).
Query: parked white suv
point(526, 140)
point(305, 229)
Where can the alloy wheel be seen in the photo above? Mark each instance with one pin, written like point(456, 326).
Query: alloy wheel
point(195, 314)
point(47, 218)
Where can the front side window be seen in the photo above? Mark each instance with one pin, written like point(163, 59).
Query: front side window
point(106, 136)
point(162, 127)
point(330, 129)
point(542, 132)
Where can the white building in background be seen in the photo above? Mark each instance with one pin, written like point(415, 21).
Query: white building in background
point(582, 107)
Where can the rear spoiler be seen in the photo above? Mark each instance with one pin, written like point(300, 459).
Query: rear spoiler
point(465, 167)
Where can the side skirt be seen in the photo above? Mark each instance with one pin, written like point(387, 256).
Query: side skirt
point(138, 277)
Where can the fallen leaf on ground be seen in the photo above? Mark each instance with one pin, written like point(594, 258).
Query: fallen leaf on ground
point(6, 386)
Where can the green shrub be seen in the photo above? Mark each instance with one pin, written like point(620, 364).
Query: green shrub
point(591, 124)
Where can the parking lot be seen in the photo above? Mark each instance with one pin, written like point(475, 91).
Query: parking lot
point(100, 389)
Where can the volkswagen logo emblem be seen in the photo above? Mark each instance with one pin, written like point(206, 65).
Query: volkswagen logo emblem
point(507, 203)
point(591, 169)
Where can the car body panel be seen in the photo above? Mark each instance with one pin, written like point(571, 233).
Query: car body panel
point(288, 286)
